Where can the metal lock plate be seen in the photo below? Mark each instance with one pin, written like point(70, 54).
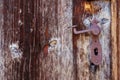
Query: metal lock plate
point(96, 51)
point(95, 46)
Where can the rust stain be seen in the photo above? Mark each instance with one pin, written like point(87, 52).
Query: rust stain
point(45, 50)
point(46, 33)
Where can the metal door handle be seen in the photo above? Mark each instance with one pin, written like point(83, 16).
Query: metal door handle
point(95, 46)
point(94, 29)
point(82, 31)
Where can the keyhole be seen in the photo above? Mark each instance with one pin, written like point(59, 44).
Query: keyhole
point(96, 51)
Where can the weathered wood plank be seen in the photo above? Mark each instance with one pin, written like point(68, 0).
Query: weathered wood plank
point(58, 65)
point(114, 40)
point(30, 26)
point(36, 43)
point(86, 71)
point(12, 51)
point(2, 67)
point(118, 37)
point(80, 56)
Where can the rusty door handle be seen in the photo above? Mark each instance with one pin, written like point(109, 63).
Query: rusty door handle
point(82, 31)
point(95, 46)
point(94, 29)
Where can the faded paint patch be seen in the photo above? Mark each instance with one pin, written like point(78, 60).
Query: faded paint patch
point(15, 51)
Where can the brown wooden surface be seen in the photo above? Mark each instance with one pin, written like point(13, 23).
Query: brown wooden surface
point(114, 34)
point(84, 69)
point(30, 26)
point(118, 38)
point(36, 43)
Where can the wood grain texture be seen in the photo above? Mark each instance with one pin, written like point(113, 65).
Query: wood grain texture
point(36, 41)
point(30, 25)
point(56, 16)
point(12, 51)
point(84, 69)
point(114, 40)
point(118, 37)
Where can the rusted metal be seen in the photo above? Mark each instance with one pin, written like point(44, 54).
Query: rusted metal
point(93, 29)
point(96, 50)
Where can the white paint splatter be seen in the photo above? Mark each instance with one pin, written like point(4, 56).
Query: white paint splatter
point(15, 51)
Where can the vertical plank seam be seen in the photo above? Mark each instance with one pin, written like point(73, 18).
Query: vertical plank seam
point(114, 40)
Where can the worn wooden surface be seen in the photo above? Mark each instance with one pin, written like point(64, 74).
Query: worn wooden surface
point(118, 38)
point(36, 41)
point(84, 69)
point(2, 67)
point(114, 34)
point(29, 27)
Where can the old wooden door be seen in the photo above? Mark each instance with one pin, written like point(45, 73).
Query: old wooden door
point(37, 41)
point(84, 12)
point(104, 11)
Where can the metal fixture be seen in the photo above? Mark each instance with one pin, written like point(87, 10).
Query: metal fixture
point(95, 46)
